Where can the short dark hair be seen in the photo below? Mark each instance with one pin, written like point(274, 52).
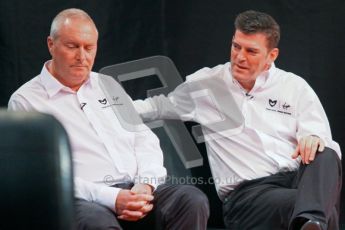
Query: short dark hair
point(251, 22)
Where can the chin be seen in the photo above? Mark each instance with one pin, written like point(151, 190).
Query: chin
point(237, 75)
point(81, 74)
point(241, 77)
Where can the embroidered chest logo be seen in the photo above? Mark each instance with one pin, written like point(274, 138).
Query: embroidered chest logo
point(272, 103)
point(286, 106)
point(103, 101)
point(115, 99)
point(279, 106)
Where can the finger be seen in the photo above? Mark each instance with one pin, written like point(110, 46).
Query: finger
point(128, 218)
point(139, 189)
point(313, 151)
point(144, 197)
point(302, 149)
point(131, 218)
point(147, 208)
point(132, 214)
point(296, 153)
point(136, 205)
point(308, 148)
point(321, 145)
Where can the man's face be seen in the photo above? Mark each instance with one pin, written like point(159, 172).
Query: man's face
point(73, 52)
point(250, 56)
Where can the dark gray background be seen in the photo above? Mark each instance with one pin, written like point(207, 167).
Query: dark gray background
point(193, 33)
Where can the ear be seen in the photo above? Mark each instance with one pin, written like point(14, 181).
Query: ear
point(273, 54)
point(50, 43)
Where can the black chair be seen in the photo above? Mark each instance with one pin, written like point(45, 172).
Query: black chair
point(36, 172)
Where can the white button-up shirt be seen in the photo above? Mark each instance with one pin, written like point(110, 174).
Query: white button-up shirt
point(279, 110)
point(104, 153)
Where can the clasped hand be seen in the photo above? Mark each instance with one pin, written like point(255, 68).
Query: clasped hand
point(307, 148)
point(134, 204)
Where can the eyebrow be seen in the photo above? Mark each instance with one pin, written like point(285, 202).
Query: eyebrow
point(247, 48)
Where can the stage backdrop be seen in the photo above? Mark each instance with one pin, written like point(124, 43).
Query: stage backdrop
point(193, 33)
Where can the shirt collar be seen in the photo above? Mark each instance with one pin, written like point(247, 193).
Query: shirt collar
point(53, 86)
point(263, 77)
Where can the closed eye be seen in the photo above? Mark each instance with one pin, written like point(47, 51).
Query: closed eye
point(71, 46)
point(90, 48)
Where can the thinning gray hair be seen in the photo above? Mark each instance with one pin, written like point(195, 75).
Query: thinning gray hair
point(63, 15)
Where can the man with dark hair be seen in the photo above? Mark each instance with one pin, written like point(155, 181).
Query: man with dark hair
point(273, 157)
point(119, 173)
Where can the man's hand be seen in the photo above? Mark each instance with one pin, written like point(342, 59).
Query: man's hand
point(142, 189)
point(307, 148)
point(131, 206)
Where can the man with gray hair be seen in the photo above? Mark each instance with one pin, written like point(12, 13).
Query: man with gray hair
point(273, 156)
point(119, 173)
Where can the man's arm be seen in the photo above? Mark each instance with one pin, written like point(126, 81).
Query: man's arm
point(103, 195)
point(177, 105)
point(127, 204)
point(150, 160)
point(313, 130)
point(17, 103)
point(135, 204)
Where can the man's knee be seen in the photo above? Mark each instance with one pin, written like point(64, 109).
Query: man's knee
point(92, 216)
point(195, 198)
point(329, 157)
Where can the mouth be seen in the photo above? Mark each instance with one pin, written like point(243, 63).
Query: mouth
point(79, 66)
point(241, 67)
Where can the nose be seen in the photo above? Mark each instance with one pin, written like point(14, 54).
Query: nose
point(240, 55)
point(81, 54)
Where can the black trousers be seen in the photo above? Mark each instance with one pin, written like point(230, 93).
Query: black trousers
point(175, 207)
point(278, 201)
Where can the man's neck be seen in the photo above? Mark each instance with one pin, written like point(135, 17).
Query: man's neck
point(50, 69)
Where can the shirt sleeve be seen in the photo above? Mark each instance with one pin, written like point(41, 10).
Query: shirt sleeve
point(149, 158)
point(103, 195)
point(177, 105)
point(17, 103)
point(190, 101)
point(312, 119)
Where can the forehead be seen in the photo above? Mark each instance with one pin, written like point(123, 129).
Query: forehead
point(76, 29)
point(256, 40)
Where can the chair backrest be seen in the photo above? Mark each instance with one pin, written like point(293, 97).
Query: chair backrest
point(36, 172)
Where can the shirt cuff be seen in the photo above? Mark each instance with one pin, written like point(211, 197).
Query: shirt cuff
point(145, 108)
point(107, 197)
